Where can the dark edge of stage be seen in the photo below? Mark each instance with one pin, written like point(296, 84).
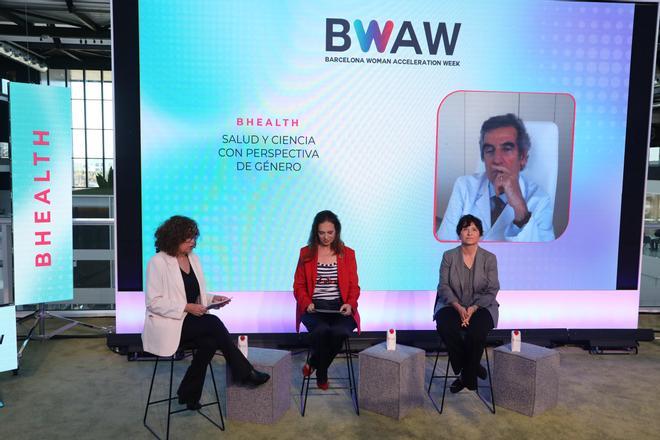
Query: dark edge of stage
point(597, 341)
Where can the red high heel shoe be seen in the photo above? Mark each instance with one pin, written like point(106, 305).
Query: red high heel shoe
point(323, 385)
point(307, 370)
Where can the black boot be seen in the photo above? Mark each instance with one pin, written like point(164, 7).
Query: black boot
point(254, 379)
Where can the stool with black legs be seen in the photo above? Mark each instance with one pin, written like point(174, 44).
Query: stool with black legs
point(350, 378)
point(182, 352)
point(489, 404)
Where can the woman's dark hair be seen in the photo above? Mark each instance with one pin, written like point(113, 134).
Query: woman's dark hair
point(337, 246)
point(174, 231)
point(468, 220)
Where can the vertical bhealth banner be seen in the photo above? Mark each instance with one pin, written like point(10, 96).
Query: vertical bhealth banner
point(40, 118)
point(8, 358)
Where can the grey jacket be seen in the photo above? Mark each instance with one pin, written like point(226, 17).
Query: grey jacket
point(486, 283)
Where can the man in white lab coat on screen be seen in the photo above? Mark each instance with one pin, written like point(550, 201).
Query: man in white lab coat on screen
point(510, 206)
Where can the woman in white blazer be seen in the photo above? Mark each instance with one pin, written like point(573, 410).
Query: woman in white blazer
point(176, 313)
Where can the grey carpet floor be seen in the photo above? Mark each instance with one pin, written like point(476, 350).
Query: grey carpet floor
point(77, 388)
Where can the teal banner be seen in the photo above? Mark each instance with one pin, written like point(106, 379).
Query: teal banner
point(8, 358)
point(40, 118)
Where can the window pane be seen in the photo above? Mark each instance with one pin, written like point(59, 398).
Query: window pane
point(79, 143)
point(78, 113)
point(91, 273)
point(94, 167)
point(77, 91)
point(108, 144)
point(94, 143)
point(107, 90)
point(93, 90)
point(91, 237)
point(109, 163)
point(75, 75)
point(94, 119)
point(107, 75)
point(57, 77)
point(91, 212)
point(93, 75)
point(107, 114)
point(79, 173)
point(654, 156)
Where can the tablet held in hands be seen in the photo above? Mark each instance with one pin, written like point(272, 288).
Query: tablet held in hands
point(218, 304)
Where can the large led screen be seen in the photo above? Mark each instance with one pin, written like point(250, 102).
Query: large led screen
point(255, 115)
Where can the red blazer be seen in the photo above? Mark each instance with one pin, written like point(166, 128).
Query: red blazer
point(305, 281)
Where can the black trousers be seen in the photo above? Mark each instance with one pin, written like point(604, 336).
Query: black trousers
point(327, 333)
point(464, 352)
point(206, 334)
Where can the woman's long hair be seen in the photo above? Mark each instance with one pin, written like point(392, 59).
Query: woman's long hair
point(313, 243)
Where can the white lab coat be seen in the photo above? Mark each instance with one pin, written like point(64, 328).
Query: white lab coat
point(471, 196)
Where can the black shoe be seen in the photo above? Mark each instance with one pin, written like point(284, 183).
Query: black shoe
point(456, 386)
point(482, 373)
point(321, 376)
point(255, 378)
point(193, 406)
point(182, 399)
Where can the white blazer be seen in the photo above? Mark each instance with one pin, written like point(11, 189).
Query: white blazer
point(166, 300)
point(470, 196)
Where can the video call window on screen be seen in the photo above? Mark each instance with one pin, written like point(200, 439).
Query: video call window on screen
point(505, 157)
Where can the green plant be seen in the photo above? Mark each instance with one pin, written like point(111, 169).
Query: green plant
point(105, 182)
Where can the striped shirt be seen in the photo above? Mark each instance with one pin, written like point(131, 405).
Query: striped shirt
point(327, 284)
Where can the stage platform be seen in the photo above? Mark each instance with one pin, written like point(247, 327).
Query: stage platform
point(79, 388)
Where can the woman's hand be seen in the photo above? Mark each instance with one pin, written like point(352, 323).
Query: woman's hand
point(346, 310)
point(195, 309)
point(221, 299)
point(462, 313)
point(310, 308)
point(469, 312)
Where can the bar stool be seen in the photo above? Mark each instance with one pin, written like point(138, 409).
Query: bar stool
point(490, 405)
point(352, 387)
point(181, 353)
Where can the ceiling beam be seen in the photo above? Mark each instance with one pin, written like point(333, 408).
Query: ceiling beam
point(91, 53)
point(67, 53)
point(54, 32)
point(46, 18)
point(21, 47)
point(45, 45)
point(35, 41)
point(60, 61)
point(13, 17)
point(84, 19)
point(87, 21)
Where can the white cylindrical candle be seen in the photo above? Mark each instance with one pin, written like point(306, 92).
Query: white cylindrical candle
point(243, 344)
point(391, 339)
point(515, 340)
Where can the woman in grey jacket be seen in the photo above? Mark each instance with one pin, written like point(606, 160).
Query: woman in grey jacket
point(465, 307)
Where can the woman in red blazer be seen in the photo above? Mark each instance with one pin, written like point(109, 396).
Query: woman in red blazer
point(326, 290)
